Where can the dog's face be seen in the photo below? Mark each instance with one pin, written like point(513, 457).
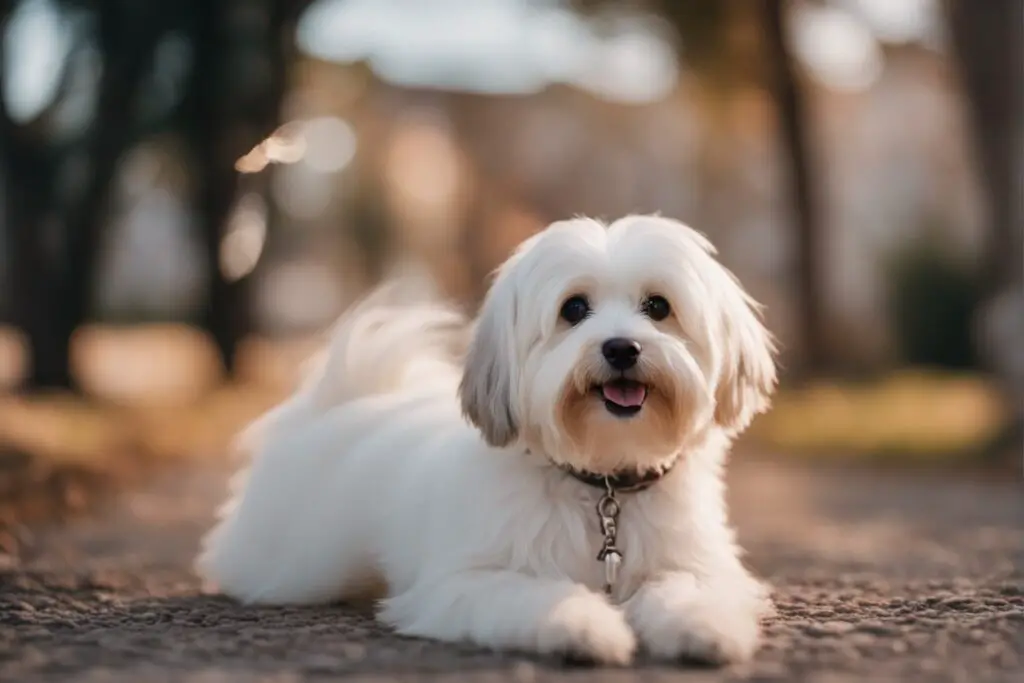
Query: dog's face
point(611, 348)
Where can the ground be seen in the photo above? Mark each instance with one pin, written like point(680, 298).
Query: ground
point(878, 576)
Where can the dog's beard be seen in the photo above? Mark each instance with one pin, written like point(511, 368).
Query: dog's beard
point(606, 421)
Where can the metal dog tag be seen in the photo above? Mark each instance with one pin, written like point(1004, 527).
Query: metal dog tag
point(608, 513)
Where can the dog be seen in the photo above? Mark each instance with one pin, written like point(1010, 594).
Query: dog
point(546, 479)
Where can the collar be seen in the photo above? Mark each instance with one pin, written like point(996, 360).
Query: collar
point(623, 481)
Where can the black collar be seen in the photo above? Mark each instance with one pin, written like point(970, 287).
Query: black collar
point(623, 481)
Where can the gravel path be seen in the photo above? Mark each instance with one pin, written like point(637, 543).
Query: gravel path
point(878, 577)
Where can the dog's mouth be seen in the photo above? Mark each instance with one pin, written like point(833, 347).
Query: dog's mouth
point(622, 397)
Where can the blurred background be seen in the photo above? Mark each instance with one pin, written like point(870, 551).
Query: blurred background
point(191, 191)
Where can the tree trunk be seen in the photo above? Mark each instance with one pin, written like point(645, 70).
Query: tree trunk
point(989, 42)
point(54, 271)
point(28, 168)
point(127, 46)
point(224, 121)
point(46, 321)
point(226, 311)
point(792, 116)
point(26, 201)
point(988, 39)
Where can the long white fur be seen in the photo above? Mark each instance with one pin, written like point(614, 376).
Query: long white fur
point(370, 483)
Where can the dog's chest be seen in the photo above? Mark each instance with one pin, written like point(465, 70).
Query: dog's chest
point(570, 546)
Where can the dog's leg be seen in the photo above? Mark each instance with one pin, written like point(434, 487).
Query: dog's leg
point(716, 621)
point(508, 610)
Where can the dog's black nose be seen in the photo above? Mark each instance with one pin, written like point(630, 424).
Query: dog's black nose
point(621, 353)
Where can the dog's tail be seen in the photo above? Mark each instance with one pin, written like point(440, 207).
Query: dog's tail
point(386, 342)
point(398, 336)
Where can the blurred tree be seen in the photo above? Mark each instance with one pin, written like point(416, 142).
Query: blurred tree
point(793, 118)
point(988, 39)
point(52, 225)
point(242, 49)
point(62, 180)
point(932, 296)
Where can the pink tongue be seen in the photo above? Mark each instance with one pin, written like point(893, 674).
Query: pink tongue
point(626, 395)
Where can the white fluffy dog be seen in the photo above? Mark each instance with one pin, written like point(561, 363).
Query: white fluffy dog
point(609, 370)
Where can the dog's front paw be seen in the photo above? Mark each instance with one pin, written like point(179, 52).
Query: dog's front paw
point(721, 638)
point(585, 628)
point(678, 620)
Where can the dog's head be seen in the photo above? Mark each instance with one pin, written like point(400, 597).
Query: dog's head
point(614, 347)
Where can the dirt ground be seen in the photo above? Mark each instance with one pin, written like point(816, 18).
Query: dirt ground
point(878, 577)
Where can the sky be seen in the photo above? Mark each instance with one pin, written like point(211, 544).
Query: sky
point(495, 46)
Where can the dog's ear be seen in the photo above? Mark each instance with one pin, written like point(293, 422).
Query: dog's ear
point(490, 371)
point(747, 379)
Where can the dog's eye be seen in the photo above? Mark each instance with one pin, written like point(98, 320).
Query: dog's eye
point(656, 307)
point(575, 309)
